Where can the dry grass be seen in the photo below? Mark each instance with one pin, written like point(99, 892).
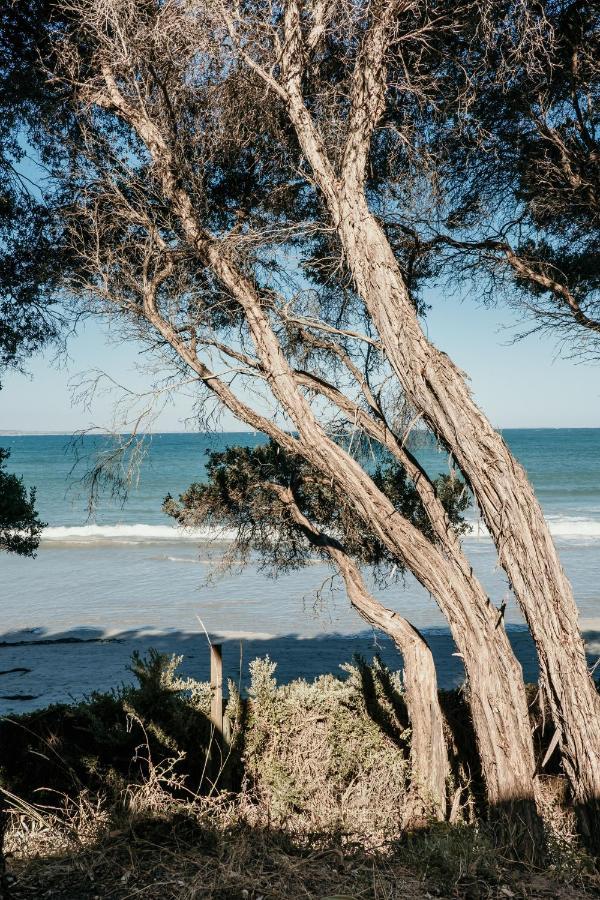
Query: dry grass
point(316, 814)
point(207, 849)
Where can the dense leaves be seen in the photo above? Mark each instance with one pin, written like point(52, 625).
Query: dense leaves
point(31, 261)
point(20, 526)
point(516, 150)
point(241, 494)
point(30, 255)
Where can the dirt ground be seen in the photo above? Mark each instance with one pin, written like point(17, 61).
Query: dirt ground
point(163, 861)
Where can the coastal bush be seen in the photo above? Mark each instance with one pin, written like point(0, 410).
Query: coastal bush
point(20, 525)
point(327, 756)
point(111, 739)
point(323, 756)
point(315, 805)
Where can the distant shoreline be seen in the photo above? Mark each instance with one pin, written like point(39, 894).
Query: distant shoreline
point(8, 432)
point(77, 434)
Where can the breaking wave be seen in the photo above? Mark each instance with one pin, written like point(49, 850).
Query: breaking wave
point(572, 527)
point(576, 527)
point(130, 534)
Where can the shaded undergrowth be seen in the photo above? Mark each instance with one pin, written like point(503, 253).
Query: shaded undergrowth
point(131, 794)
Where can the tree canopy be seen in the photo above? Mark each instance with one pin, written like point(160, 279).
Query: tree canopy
point(514, 150)
point(32, 257)
point(20, 526)
point(242, 494)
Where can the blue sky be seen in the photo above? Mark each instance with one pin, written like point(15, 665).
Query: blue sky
point(518, 385)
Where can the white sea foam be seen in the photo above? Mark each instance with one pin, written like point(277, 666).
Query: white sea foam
point(184, 559)
point(571, 527)
point(575, 527)
point(125, 534)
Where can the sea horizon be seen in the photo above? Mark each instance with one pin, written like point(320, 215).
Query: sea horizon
point(130, 579)
point(7, 432)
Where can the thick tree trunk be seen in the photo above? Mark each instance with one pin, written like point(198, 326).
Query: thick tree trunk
point(498, 701)
point(438, 390)
point(506, 499)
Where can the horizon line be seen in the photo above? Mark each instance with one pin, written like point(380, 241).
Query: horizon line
point(15, 432)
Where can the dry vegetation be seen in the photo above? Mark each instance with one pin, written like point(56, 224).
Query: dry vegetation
point(243, 181)
point(115, 798)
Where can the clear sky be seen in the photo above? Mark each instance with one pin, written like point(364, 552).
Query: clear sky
point(518, 385)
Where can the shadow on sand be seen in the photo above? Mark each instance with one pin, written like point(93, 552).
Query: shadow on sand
point(41, 666)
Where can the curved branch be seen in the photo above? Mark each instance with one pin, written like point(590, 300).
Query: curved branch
point(428, 753)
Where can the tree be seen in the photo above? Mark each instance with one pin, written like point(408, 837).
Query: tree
point(30, 264)
point(20, 526)
point(285, 511)
point(221, 212)
point(521, 172)
point(285, 51)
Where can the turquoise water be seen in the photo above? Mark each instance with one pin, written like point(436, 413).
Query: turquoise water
point(57, 465)
point(563, 464)
point(127, 572)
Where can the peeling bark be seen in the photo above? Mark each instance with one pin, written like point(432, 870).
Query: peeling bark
point(437, 389)
point(509, 507)
point(498, 701)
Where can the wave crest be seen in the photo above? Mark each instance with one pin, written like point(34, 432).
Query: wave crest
point(560, 527)
point(572, 527)
point(126, 534)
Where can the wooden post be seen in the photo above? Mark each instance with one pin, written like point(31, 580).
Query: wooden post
point(216, 684)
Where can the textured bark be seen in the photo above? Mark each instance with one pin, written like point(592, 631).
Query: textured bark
point(498, 701)
point(438, 390)
point(506, 499)
point(428, 752)
point(497, 696)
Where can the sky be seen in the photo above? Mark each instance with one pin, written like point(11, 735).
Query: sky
point(527, 384)
point(519, 385)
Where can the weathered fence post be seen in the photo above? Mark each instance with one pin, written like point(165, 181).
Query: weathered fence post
point(216, 684)
point(221, 736)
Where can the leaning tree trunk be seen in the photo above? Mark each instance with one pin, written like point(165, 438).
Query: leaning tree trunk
point(496, 692)
point(438, 390)
point(512, 514)
point(497, 695)
point(429, 763)
point(498, 702)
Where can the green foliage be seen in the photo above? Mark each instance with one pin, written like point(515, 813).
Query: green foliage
point(241, 494)
point(96, 743)
point(20, 527)
point(523, 167)
point(327, 755)
point(325, 762)
point(31, 257)
point(317, 755)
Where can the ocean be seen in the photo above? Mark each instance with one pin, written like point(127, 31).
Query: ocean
point(127, 579)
